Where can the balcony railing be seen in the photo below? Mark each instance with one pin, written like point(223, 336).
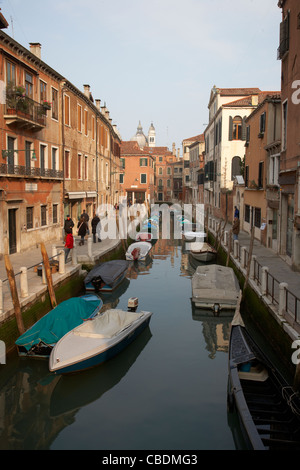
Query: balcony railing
point(18, 170)
point(24, 112)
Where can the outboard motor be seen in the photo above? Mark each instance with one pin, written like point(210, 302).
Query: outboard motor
point(96, 282)
point(135, 253)
point(133, 303)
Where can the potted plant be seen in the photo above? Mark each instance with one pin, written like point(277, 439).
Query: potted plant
point(46, 104)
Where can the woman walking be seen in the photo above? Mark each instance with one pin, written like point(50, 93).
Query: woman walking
point(82, 230)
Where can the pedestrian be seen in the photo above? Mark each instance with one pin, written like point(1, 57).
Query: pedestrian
point(236, 212)
point(68, 226)
point(96, 227)
point(69, 244)
point(236, 228)
point(86, 218)
point(82, 230)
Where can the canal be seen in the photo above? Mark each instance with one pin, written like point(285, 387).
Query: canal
point(167, 390)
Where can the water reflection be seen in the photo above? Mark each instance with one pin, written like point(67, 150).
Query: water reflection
point(181, 375)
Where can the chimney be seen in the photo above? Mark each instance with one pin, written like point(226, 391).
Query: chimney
point(254, 100)
point(35, 48)
point(87, 90)
point(98, 104)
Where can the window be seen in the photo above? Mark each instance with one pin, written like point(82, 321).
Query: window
point(93, 127)
point(160, 171)
point(29, 217)
point(143, 161)
point(79, 117)
point(43, 91)
point(274, 169)
point(85, 169)
point(54, 213)
point(67, 109)
point(160, 183)
point(237, 128)
point(67, 164)
point(122, 163)
point(248, 134)
point(10, 73)
point(261, 174)
point(54, 103)
point(168, 171)
point(79, 166)
point(247, 213)
point(262, 123)
point(257, 217)
point(42, 158)
point(235, 167)
point(28, 85)
point(121, 178)
point(85, 122)
point(54, 158)
point(43, 215)
point(143, 178)
point(284, 37)
point(27, 155)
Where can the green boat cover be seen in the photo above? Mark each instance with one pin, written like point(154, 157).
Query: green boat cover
point(59, 321)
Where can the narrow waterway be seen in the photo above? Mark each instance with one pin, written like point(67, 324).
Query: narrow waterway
point(167, 390)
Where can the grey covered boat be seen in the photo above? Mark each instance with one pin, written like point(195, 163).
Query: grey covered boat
point(215, 287)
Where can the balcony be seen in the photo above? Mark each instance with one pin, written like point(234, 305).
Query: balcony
point(22, 112)
point(32, 172)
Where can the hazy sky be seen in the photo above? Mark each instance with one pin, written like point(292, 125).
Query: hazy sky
point(154, 61)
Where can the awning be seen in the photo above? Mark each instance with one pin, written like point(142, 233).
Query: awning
point(91, 194)
point(76, 195)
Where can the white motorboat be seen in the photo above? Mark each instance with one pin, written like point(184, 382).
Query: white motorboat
point(215, 287)
point(138, 251)
point(97, 340)
point(202, 251)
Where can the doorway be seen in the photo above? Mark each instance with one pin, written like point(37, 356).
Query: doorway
point(12, 231)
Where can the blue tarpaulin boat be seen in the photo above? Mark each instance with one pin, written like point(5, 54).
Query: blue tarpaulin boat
point(39, 340)
point(105, 277)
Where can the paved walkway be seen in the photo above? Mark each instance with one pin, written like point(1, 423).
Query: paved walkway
point(33, 257)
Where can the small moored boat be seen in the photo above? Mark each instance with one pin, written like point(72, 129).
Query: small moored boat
point(97, 341)
point(215, 287)
point(268, 408)
point(138, 251)
point(39, 340)
point(144, 237)
point(202, 251)
point(106, 277)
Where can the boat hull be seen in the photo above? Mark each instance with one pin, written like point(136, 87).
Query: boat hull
point(97, 358)
point(215, 287)
point(106, 288)
point(262, 397)
point(43, 351)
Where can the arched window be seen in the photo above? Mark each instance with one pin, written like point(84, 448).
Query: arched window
point(237, 128)
point(235, 167)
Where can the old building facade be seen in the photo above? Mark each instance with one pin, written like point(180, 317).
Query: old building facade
point(60, 152)
point(289, 175)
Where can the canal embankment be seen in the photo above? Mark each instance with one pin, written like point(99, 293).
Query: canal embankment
point(31, 281)
point(271, 297)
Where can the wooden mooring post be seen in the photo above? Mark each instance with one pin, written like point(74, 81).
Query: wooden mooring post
point(48, 275)
point(14, 294)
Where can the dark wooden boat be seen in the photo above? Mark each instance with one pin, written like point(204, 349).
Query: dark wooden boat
point(267, 406)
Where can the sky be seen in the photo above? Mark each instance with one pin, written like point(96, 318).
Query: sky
point(154, 61)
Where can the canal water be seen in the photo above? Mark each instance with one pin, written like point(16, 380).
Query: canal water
point(167, 390)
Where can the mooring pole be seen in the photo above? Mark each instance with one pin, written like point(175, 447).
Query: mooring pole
point(48, 276)
point(14, 294)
